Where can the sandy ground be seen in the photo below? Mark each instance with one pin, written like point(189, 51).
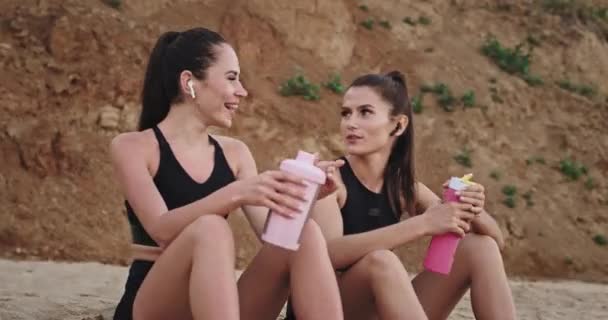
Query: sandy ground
point(79, 291)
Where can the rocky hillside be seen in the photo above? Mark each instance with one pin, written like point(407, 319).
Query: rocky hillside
point(531, 123)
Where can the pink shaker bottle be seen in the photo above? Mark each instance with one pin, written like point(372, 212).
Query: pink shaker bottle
point(440, 254)
point(285, 232)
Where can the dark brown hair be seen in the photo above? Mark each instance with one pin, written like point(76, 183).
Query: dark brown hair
point(173, 53)
point(399, 179)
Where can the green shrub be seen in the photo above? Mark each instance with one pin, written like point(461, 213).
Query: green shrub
point(335, 84)
point(509, 202)
point(511, 60)
point(464, 158)
point(417, 106)
point(423, 20)
point(528, 197)
point(572, 169)
point(509, 190)
point(580, 12)
point(116, 4)
point(468, 99)
point(409, 21)
point(590, 184)
point(385, 24)
point(444, 95)
point(300, 86)
point(533, 41)
point(581, 89)
point(368, 23)
point(600, 240)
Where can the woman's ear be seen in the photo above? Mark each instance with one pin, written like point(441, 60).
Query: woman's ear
point(402, 122)
point(186, 83)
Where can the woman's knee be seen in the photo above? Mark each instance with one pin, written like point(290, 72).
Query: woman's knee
point(312, 236)
point(476, 246)
point(209, 228)
point(382, 264)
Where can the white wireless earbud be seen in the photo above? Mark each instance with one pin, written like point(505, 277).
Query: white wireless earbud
point(191, 89)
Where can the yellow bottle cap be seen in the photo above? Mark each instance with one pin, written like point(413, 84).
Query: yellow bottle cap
point(467, 178)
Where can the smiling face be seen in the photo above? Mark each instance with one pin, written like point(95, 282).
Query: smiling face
point(219, 94)
point(367, 123)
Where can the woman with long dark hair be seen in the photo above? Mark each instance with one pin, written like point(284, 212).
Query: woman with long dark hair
point(180, 183)
point(380, 205)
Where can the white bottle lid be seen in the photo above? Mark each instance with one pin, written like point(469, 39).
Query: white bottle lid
point(305, 157)
point(457, 183)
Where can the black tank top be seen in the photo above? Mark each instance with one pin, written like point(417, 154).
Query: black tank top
point(364, 210)
point(177, 187)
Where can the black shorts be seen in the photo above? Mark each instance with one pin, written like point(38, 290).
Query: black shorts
point(137, 273)
point(290, 315)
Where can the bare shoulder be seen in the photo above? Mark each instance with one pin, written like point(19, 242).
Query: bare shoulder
point(231, 145)
point(233, 148)
point(236, 151)
point(133, 144)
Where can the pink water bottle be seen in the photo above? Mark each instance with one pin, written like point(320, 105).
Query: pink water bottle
point(440, 254)
point(285, 232)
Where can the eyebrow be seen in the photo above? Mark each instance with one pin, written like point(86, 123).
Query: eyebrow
point(359, 107)
point(236, 73)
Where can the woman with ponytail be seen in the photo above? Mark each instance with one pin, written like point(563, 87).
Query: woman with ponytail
point(379, 205)
point(180, 183)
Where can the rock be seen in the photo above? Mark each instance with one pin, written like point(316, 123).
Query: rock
point(5, 47)
point(109, 117)
point(67, 42)
point(129, 117)
point(120, 102)
point(59, 44)
point(59, 84)
point(145, 7)
point(17, 129)
point(323, 27)
point(17, 24)
point(52, 65)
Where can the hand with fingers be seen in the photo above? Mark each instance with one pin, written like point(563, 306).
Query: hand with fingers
point(329, 167)
point(280, 191)
point(449, 217)
point(473, 195)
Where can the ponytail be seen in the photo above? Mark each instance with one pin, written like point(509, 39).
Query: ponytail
point(173, 53)
point(155, 99)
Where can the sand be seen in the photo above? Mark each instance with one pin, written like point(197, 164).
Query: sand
point(78, 291)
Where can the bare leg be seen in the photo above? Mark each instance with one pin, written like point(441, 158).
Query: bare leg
point(265, 285)
point(378, 286)
point(478, 265)
point(194, 276)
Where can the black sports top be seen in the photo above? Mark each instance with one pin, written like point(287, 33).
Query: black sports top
point(177, 187)
point(364, 210)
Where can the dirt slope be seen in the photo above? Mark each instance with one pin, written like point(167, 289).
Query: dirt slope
point(72, 72)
